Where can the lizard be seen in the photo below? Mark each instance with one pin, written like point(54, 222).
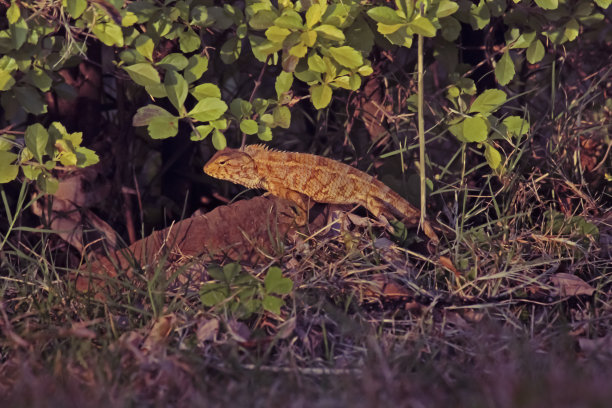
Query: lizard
point(302, 178)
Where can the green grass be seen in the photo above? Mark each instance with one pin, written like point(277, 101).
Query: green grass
point(496, 335)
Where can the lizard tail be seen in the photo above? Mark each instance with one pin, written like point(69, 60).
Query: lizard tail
point(408, 213)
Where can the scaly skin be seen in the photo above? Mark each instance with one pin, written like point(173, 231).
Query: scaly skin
point(302, 178)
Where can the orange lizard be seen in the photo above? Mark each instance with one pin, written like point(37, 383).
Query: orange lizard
point(302, 178)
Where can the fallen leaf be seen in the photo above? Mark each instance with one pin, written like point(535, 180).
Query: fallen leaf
point(239, 331)
point(286, 329)
point(570, 285)
point(448, 264)
point(207, 331)
point(159, 332)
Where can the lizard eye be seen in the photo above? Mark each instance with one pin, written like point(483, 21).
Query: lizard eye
point(222, 162)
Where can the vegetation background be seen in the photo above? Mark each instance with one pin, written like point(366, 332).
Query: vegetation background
point(109, 109)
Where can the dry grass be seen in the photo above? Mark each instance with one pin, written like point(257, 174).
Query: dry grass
point(513, 308)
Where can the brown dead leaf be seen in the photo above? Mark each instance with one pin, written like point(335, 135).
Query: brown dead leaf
point(68, 209)
point(239, 331)
point(570, 285)
point(371, 107)
point(446, 262)
point(207, 331)
point(159, 332)
point(286, 328)
point(387, 288)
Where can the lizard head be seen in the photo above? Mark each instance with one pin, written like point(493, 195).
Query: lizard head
point(235, 166)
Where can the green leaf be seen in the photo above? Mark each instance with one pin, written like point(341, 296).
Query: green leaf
point(175, 61)
point(289, 19)
point(31, 172)
point(313, 15)
point(47, 183)
point(277, 34)
point(451, 28)
point(446, 8)
point(75, 138)
point(218, 140)
point(208, 109)
point(199, 16)
point(249, 126)
point(489, 101)
point(230, 50)
point(264, 133)
point(230, 271)
point(13, 13)
point(163, 127)
point(220, 124)
point(213, 293)
point(284, 80)
point(216, 272)
point(6, 80)
point(320, 95)
point(572, 29)
point(203, 131)
point(475, 129)
point(109, 33)
point(30, 100)
point(145, 114)
point(8, 171)
point(282, 117)
point(385, 15)
point(346, 56)
point(479, 15)
point(535, 52)
point(39, 79)
point(129, 19)
point(524, 40)
point(196, 67)
point(548, 4)
point(36, 138)
point(206, 90)
point(604, 4)
point(275, 283)
point(421, 25)
point(143, 74)
point(76, 7)
point(86, 157)
point(330, 32)
point(260, 105)
point(189, 41)
point(176, 88)
point(316, 63)
point(493, 156)
point(156, 90)
point(272, 304)
point(19, 33)
point(6, 142)
point(144, 45)
point(365, 70)
point(241, 108)
point(504, 70)
point(386, 29)
point(516, 126)
point(263, 19)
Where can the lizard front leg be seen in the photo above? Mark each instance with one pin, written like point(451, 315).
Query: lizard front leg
point(302, 202)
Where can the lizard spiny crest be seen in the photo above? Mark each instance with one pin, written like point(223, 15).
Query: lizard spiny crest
point(235, 166)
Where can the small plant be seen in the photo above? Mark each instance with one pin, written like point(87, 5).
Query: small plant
point(240, 294)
